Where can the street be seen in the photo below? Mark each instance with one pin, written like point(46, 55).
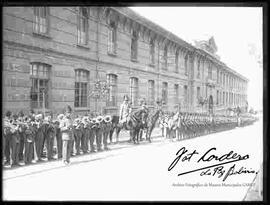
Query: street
point(140, 172)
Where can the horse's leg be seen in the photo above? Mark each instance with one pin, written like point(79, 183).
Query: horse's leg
point(140, 134)
point(111, 134)
point(137, 135)
point(118, 129)
point(150, 132)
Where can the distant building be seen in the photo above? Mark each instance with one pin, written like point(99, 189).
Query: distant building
point(54, 56)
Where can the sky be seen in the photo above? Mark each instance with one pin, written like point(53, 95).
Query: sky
point(237, 32)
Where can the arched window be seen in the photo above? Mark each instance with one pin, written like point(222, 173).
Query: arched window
point(199, 69)
point(134, 46)
point(186, 64)
point(81, 87)
point(177, 61)
point(83, 26)
point(165, 58)
point(41, 20)
point(185, 95)
point(217, 97)
point(152, 52)
point(164, 93)
point(39, 94)
point(134, 90)
point(151, 92)
point(176, 94)
point(112, 38)
point(112, 83)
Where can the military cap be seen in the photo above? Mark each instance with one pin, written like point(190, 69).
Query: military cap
point(107, 118)
point(60, 117)
point(126, 97)
point(68, 109)
point(8, 113)
point(100, 119)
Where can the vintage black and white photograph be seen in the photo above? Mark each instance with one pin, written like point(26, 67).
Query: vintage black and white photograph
point(140, 103)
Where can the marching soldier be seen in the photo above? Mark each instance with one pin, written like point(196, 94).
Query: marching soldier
point(40, 136)
point(99, 121)
point(49, 136)
point(30, 133)
point(21, 135)
point(106, 132)
point(66, 127)
point(59, 141)
point(85, 132)
point(15, 141)
point(78, 134)
point(7, 136)
point(145, 110)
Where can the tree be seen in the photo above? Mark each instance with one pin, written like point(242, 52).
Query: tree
point(100, 91)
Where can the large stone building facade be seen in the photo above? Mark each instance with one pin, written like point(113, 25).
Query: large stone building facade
point(54, 56)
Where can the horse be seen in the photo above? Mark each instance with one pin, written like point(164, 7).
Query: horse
point(151, 121)
point(134, 125)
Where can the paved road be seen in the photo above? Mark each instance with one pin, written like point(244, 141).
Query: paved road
point(140, 172)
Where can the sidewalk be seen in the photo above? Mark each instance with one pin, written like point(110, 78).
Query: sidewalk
point(34, 168)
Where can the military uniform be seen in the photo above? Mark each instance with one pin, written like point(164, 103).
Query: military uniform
point(125, 110)
point(67, 137)
point(50, 133)
point(39, 140)
point(78, 132)
point(15, 143)
point(106, 131)
point(30, 133)
point(7, 139)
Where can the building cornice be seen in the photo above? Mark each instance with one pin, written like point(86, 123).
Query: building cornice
point(165, 34)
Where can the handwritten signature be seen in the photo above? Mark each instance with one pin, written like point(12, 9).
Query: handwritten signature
point(214, 170)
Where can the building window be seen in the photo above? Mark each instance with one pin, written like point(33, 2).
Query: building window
point(164, 92)
point(83, 26)
point(134, 46)
point(217, 76)
point(112, 40)
point(41, 20)
point(176, 94)
point(39, 74)
point(134, 90)
point(165, 58)
point(186, 65)
point(220, 97)
point(210, 71)
point(220, 76)
point(217, 97)
point(198, 69)
point(152, 52)
point(177, 61)
point(81, 82)
point(198, 93)
point(151, 92)
point(112, 83)
point(223, 98)
point(185, 95)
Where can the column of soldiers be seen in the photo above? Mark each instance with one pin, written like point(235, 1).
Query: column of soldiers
point(34, 137)
point(185, 125)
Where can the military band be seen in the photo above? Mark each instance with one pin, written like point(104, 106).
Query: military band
point(25, 137)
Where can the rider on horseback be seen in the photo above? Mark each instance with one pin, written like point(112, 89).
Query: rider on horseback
point(125, 110)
